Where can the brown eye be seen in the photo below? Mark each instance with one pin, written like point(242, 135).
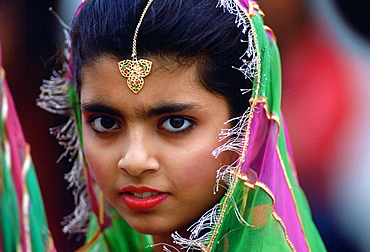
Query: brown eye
point(104, 124)
point(176, 124)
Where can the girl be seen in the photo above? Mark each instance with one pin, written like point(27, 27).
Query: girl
point(175, 122)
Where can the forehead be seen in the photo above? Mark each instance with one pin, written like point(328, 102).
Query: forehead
point(166, 76)
point(167, 83)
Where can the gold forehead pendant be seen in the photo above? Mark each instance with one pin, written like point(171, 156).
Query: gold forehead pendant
point(135, 70)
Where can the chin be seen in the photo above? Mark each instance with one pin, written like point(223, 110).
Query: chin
point(157, 228)
point(155, 231)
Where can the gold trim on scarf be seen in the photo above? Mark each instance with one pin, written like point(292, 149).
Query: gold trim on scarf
point(91, 242)
point(293, 196)
point(26, 198)
point(267, 28)
point(254, 7)
point(249, 184)
point(269, 115)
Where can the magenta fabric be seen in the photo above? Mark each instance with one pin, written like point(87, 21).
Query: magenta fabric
point(262, 157)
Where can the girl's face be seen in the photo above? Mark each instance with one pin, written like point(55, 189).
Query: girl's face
point(150, 152)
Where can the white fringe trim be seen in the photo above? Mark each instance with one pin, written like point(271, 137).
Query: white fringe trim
point(199, 231)
point(55, 98)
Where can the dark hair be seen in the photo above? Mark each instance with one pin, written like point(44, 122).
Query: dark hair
point(186, 31)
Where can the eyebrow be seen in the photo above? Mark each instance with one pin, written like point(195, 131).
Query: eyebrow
point(156, 110)
point(97, 107)
point(171, 107)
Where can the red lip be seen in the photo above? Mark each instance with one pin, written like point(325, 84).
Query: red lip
point(140, 189)
point(139, 204)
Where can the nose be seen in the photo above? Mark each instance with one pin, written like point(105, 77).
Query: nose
point(138, 154)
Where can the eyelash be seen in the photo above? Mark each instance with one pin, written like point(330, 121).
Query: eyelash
point(189, 123)
point(92, 120)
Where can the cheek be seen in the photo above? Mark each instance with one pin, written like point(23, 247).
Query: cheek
point(93, 164)
point(98, 161)
point(197, 167)
point(202, 167)
point(89, 149)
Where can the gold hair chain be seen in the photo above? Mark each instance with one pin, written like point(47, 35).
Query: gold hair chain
point(135, 70)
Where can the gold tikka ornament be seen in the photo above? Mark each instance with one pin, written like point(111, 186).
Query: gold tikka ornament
point(135, 70)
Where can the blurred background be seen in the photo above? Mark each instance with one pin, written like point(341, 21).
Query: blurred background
point(325, 50)
point(30, 37)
